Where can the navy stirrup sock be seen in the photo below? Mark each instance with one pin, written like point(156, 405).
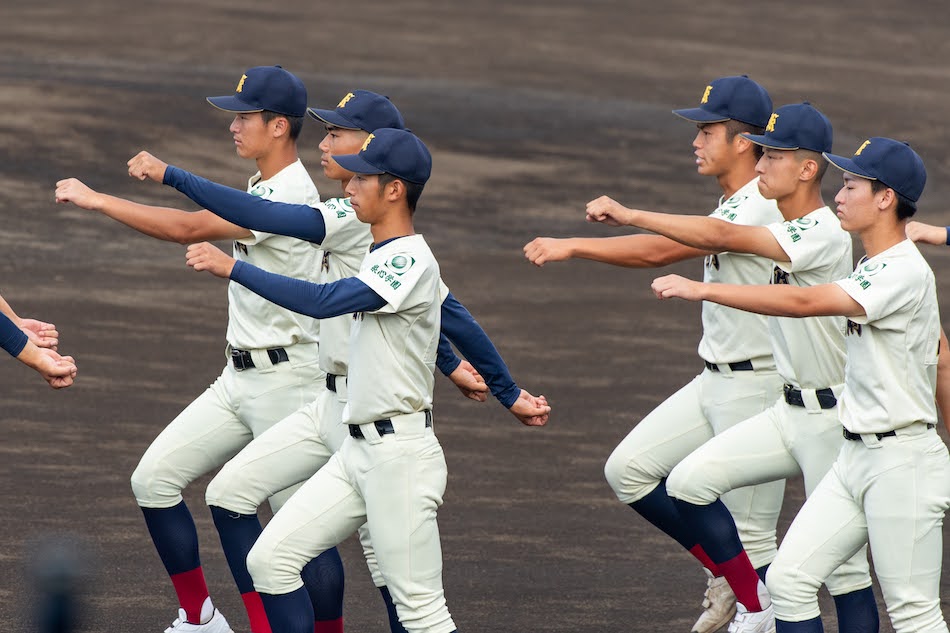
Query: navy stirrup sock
point(238, 534)
point(714, 528)
point(289, 612)
point(175, 536)
point(857, 612)
point(323, 579)
point(657, 508)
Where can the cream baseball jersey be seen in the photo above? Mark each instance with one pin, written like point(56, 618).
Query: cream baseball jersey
point(254, 322)
point(731, 335)
point(393, 350)
point(344, 247)
point(810, 352)
point(891, 375)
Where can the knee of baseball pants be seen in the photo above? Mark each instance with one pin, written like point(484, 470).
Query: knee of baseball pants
point(227, 491)
point(689, 481)
point(272, 570)
point(156, 484)
point(629, 481)
point(794, 593)
point(853, 574)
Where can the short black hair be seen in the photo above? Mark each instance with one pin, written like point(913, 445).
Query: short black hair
point(295, 122)
point(734, 127)
point(413, 189)
point(805, 154)
point(906, 207)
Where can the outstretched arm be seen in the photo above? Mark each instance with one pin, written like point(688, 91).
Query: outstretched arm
point(702, 232)
point(320, 301)
point(773, 300)
point(171, 225)
point(237, 207)
point(629, 251)
point(463, 330)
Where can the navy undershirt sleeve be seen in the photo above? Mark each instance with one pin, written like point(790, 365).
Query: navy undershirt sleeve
point(251, 212)
point(461, 328)
point(12, 338)
point(320, 301)
point(446, 359)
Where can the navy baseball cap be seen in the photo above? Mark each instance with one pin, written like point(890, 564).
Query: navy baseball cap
point(391, 151)
point(265, 88)
point(361, 110)
point(892, 162)
point(731, 98)
point(796, 126)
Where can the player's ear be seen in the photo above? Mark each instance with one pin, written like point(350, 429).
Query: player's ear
point(280, 126)
point(742, 144)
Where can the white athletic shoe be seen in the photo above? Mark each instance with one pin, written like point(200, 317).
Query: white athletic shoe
point(753, 621)
point(217, 624)
point(719, 604)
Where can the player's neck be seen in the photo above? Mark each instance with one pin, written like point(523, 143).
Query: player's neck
point(882, 235)
point(800, 203)
point(735, 179)
point(276, 160)
point(396, 222)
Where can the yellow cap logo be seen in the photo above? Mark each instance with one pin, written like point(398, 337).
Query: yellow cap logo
point(366, 142)
point(771, 126)
point(706, 94)
point(240, 87)
point(345, 99)
point(863, 145)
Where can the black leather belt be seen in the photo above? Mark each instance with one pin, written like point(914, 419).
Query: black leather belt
point(848, 435)
point(331, 382)
point(241, 358)
point(383, 427)
point(742, 365)
point(826, 397)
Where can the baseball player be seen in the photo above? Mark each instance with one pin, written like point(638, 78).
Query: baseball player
point(390, 472)
point(740, 379)
point(291, 451)
point(273, 367)
point(890, 484)
point(801, 431)
point(34, 343)
point(922, 233)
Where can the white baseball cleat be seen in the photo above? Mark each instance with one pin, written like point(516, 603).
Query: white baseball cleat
point(719, 604)
point(217, 624)
point(753, 621)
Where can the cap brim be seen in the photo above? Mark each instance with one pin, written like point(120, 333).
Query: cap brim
point(847, 165)
point(770, 143)
point(698, 115)
point(331, 117)
point(231, 103)
point(355, 164)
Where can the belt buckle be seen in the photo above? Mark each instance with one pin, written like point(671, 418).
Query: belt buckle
point(241, 359)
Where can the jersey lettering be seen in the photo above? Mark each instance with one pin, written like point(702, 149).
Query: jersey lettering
point(712, 261)
point(779, 276)
point(853, 328)
point(241, 247)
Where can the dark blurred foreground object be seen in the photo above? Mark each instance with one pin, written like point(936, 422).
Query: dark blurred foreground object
point(58, 571)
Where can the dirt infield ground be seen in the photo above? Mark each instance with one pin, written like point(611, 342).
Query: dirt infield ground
point(531, 109)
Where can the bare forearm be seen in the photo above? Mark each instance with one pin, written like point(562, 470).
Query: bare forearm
point(778, 300)
point(170, 225)
point(696, 231)
point(632, 251)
